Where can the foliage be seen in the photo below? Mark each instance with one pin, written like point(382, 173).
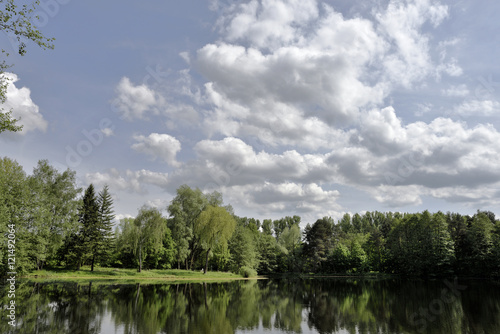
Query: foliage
point(52, 215)
point(184, 211)
point(14, 208)
point(89, 235)
point(214, 227)
point(17, 24)
point(247, 272)
point(243, 250)
point(147, 233)
point(54, 227)
point(105, 225)
point(318, 239)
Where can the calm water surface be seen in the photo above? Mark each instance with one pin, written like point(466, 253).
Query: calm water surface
point(264, 306)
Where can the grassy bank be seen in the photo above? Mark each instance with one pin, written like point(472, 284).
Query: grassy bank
point(130, 274)
point(376, 275)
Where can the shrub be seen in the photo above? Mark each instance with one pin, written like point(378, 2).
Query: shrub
point(247, 272)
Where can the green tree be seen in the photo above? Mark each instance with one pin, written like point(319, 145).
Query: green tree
point(480, 239)
point(290, 239)
point(339, 260)
point(214, 227)
point(7, 122)
point(14, 201)
point(17, 23)
point(181, 234)
point(160, 257)
point(53, 211)
point(345, 224)
point(495, 270)
point(443, 254)
point(90, 236)
point(266, 226)
point(267, 250)
point(358, 259)
point(318, 239)
point(105, 225)
point(184, 210)
point(148, 231)
point(125, 247)
point(69, 254)
point(375, 250)
point(243, 249)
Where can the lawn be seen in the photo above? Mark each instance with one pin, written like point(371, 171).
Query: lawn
point(130, 274)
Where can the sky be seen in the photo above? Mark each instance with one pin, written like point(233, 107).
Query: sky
point(286, 107)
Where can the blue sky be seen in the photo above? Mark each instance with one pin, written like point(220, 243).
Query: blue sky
point(313, 108)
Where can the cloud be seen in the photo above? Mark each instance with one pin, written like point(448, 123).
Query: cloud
point(161, 146)
point(231, 162)
point(157, 203)
point(310, 81)
point(298, 99)
point(402, 22)
point(420, 159)
point(130, 181)
point(478, 108)
point(294, 73)
point(396, 163)
point(270, 24)
point(382, 131)
point(457, 91)
point(107, 132)
point(310, 201)
point(23, 108)
point(119, 217)
point(397, 196)
point(134, 102)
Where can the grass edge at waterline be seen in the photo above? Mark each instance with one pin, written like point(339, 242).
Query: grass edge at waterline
point(132, 274)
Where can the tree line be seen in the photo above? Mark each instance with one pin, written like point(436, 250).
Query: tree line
point(55, 227)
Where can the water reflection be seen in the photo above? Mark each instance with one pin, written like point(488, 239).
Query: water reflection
point(265, 306)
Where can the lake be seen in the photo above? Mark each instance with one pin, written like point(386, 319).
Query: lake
point(257, 306)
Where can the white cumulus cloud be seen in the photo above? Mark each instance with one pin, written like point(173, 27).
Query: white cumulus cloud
point(134, 102)
point(23, 107)
point(158, 145)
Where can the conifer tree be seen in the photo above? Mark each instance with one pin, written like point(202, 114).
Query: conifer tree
point(105, 225)
point(89, 228)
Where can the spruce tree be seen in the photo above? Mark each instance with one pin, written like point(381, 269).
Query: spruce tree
point(89, 228)
point(105, 225)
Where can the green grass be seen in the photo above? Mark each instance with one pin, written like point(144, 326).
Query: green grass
point(130, 274)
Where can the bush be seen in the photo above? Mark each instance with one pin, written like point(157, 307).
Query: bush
point(248, 272)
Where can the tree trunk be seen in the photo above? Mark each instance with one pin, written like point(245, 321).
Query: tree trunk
point(140, 258)
point(191, 261)
point(206, 262)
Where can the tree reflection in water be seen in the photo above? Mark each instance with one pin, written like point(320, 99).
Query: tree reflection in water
point(292, 306)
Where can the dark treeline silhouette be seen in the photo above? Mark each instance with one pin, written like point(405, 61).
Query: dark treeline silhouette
point(53, 227)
